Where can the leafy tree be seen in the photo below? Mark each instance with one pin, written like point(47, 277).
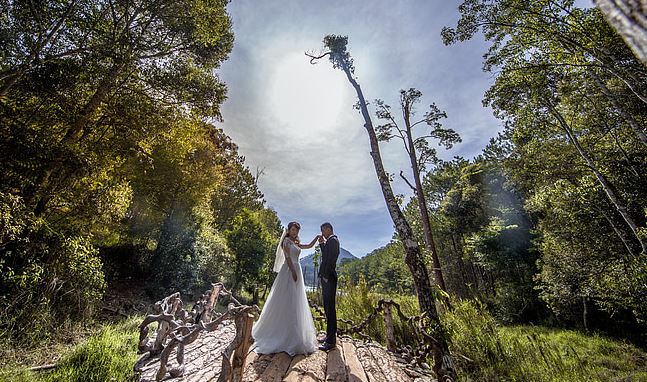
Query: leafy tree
point(572, 97)
point(104, 145)
point(383, 269)
point(253, 244)
point(420, 155)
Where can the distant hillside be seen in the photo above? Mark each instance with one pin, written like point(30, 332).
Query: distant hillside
point(308, 266)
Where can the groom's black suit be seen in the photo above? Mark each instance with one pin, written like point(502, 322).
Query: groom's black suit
point(329, 255)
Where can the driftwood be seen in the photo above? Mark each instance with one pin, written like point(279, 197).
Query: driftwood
point(353, 365)
point(178, 328)
point(233, 358)
point(415, 353)
point(48, 366)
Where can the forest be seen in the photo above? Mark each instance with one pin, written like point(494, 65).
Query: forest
point(119, 183)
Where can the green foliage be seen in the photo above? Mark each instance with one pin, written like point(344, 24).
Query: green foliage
point(357, 301)
point(489, 352)
point(483, 235)
point(383, 269)
point(107, 154)
point(108, 355)
point(44, 273)
point(252, 240)
point(571, 96)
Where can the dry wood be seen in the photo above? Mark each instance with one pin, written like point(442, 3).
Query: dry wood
point(276, 370)
point(256, 365)
point(241, 345)
point(48, 366)
point(178, 328)
point(294, 372)
point(353, 366)
point(313, 367)
point(212, 301)
point(387, 364)
point(336, 366)
point(388, 327)
point(371, 368)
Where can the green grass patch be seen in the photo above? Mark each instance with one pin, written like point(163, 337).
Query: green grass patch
point(486, 351)
point(108, 355)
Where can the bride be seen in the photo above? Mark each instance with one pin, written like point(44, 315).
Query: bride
point(286, 323)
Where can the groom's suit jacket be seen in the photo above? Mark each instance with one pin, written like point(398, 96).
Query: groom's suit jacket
point(329, 255)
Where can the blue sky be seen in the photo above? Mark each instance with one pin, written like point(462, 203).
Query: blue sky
point(296, 122)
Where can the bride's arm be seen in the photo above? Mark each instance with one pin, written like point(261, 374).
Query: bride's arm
point(310, 245)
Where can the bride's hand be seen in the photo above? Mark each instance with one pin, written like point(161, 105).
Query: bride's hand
point(294, 275)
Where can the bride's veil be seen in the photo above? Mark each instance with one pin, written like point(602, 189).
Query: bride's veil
point(280, 256)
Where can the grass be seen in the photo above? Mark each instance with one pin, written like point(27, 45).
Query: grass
point(486, 351)
point(108, 355)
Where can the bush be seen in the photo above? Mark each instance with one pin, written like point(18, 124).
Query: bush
point(45, 274)
point(355, 303)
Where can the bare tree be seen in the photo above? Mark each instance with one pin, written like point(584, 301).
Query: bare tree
point(420, 154)
point(443, 364)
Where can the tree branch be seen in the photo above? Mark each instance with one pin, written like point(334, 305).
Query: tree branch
point(407, 181)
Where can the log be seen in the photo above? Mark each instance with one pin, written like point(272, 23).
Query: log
point(371, 368)
point(391, 370)
point(354, 368)
point(294, 371)
point(114, 311)
point(238, 359)
point(388, 328)
point(335, 365)
point(313, 367)
point(277, 368)
point(241, 342)
point(211, 303)
point(255, 366)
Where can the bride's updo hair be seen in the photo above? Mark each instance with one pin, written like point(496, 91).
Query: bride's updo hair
point(294, 224)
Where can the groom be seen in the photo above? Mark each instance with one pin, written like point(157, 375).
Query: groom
point(329, 252)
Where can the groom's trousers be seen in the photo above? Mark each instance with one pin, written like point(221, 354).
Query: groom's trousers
point(329, 293)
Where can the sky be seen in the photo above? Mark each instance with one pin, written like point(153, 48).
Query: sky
point(295, 121)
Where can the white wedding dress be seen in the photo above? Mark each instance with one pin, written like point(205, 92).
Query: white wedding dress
point(285, 323)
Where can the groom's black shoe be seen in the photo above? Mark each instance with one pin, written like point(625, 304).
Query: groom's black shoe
point(326, 346)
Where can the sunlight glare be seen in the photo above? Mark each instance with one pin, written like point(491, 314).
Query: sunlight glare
point(306, 98)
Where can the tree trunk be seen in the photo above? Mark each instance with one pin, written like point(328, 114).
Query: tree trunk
point(621, 235)
point(461, 265)
point(443, 365)
point(629, 19)
point(606, 186)
point(422, 205)
point(585, 313)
